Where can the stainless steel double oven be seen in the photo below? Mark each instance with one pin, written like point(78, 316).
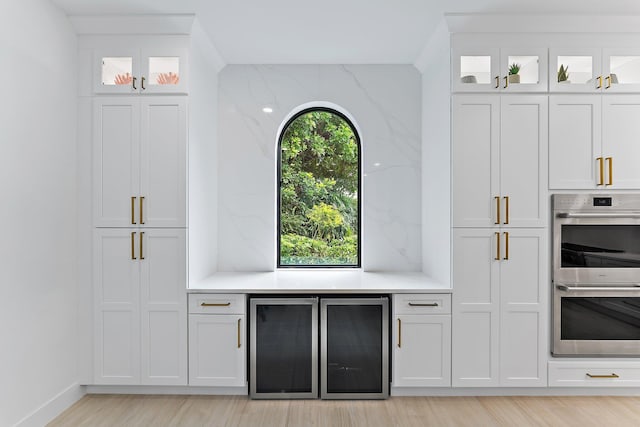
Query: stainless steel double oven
point(596, 275)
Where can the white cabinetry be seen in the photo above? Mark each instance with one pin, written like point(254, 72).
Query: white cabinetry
point(139, 161)
point(137, 71)
point(422, 340)
point(590, 70)
point(593, 141)
point(477, 69)
point(217, 340)
point(140, 306)
point(499, 307)
point(499, 153)
point(594, 373)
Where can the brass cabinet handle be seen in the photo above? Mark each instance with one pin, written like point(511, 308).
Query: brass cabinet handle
point(133, 245)
point(141, 250)
point(506, 246)
point(601, 164)
point(399, 333)
point(506, 82)
point(599, 82)
point(143, 88)
point(141, 212)
point(506, 205)
point(133, 83)
point(133, 208)
point(239, 343)
point(430, 304)
point(612, 375)
point(497, 234)
point(608, 79)
point(497, 82)
point(610, 166)
point(497, 199)
point(215, 304)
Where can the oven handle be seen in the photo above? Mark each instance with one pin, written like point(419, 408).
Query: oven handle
point(566, 288)
point(597, 215)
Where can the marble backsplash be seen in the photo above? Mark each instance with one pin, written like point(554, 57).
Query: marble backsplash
point(384, 102)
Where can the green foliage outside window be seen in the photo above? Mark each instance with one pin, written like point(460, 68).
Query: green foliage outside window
point(319, 191)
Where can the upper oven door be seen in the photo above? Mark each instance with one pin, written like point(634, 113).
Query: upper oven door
point(596, 247)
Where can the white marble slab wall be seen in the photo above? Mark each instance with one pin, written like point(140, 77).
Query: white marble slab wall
point(385, 103)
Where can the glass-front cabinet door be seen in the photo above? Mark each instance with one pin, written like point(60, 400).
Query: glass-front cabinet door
point(621, 69)
point(499, 70)
point(575, 70)
point(140, 71)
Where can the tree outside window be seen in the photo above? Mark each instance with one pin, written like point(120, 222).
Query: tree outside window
point(319, 186)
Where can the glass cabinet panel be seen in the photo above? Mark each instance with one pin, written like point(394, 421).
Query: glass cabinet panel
point(475, 69)
point(117, 71)
point(574, 69)
point(164, 70)
point(624, 69)
point(523, 69)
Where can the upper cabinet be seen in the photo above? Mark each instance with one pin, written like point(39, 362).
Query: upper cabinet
point(499, 70)
point(132, 71)
point(594, 70)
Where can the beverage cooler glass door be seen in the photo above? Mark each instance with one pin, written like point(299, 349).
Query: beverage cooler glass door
point(284, 348)
point(355, 348)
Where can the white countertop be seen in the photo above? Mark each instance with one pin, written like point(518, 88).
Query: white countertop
point(307, 281)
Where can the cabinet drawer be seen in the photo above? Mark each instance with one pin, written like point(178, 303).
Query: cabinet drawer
point(594, 374)
point(217, 303)
point(422, 303)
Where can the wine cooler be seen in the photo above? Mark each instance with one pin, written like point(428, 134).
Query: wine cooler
point(328, 347)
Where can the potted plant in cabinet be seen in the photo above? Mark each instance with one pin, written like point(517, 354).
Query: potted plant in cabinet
point(514, 69)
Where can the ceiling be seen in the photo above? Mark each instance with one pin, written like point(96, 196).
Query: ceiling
point(332, 31)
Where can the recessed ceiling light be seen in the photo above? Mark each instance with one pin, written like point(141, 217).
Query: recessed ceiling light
point(267, 110)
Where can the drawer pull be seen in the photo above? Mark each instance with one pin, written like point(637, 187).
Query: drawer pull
point(603, 376)
point(239, 342)
point(215, 304)
point(430, 304)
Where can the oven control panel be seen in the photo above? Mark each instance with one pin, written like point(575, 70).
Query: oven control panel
point(595, 202)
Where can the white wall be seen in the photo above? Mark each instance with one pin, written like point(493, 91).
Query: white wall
point(204, 64)
point(434, 63)
point(38, 289)
point(384, 101)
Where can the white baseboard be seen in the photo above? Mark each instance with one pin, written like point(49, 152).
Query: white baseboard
point(54, 407)
point(141, 389)
point(529, 391)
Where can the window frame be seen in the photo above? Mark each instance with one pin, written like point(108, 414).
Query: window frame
point(279, 189)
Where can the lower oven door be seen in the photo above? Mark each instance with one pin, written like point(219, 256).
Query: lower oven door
point(596, 320)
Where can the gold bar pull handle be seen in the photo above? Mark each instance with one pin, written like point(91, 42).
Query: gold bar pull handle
point(497, 258)
point(497, 199)
point(506, 246)
point(399, 333)
point(506, 206)
point(506, 82)
point(599, 82)
point(497, 82)
point(612, 375)
point(429, 304)
point(141, 211)
point(133, 83)
point(239, 334)
point(600, 161)
point(143, 88)
point(608, 80)
point(133, 245)
point(215, 304)
point(133, 210)
point(141, 240)
point(610, 167)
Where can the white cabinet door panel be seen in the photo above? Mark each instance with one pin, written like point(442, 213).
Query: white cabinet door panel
point(523, 160)
point(217, 350)
point(116, 155)
point(163, 168)
point(621, 141)
point(475, 139)
point(422, 351)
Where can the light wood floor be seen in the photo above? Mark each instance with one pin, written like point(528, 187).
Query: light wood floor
point(130, 410)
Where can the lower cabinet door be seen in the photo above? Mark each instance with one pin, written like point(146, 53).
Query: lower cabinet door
point(217, 350)
point(422, 351)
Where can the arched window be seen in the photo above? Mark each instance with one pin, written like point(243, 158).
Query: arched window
point(319, 190)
